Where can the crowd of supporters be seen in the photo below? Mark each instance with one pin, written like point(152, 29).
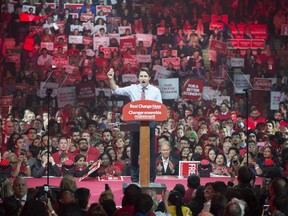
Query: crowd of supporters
point(205, 129)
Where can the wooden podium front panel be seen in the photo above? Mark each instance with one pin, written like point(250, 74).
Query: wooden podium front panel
point(144, 154)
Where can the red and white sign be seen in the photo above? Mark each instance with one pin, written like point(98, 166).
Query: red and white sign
point(263, 84)
point(217, 81)
point(258, 31)
point(218, 46)
point(169, 88)
point(85, 17)
point(48, 45)
point(26, 8)
point(116, 36)
point(72, 6)
point(127, 43)
point(144, 110)
point(110, 178)
point(175, 61)
point(87, 40)
point(237, 62)
point(91, 171)
point(145, 38)
point(85, 91)
point(192, 89)
point(105, 8)
point(75, 39)
point(57, 38)
point(132, 78)
point(122, 29)
point(143, 58)
point(187, 168)
point(59, 62)
point(60, 24)
point(218, 25)
point(246, 43)
point(129, 59)
point(161, 72)
point(163, 53)
point(6, 101)
point(108, 50)
point(15, 57)
point(97, 41)
point(70, 69)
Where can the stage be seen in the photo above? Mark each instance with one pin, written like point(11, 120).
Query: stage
point(96, 186)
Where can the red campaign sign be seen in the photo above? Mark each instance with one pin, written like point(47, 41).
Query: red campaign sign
point(262, 84)
point(73, 6)
point(221, 18)
point(144, 110)
point(57, 38)
point(258, 31)
point(174, 60)
point(85, 17)
point(192, 89)
point(108, 50)
point(127, 43)
point(58, 62)
point(246, 43)
point(129, 59)
point(218, 25)
point(87, 40)
point(85, 91)
point(6, 101)
point(13, 58)
point(187, 168)
point(105, 8)
point(217, 81)
point(218, 46)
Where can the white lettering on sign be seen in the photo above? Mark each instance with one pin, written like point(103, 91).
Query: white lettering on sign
point(192, 169)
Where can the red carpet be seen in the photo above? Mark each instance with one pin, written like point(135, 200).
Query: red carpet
point(96, 187)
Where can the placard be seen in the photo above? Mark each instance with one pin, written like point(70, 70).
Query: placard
point(218, 25)
point(241, 83)
point(192, 89)
point(237, 62)
point(284, 29)
point(129, 59)
point(56, 62)
point(246, 43)
point(73, 7)
point(218, 46)
point(85, 91)
point(132, 78)
point(258, 31)
point(26, 8)
point(262, 84)
point(143, 58)
point(66, 96)
point(15, 57)
point(187, 168)
point(108, 51)
point(87, 40)
point(145, 38)
point(122, 29)
point(86, 16)
point(97, 41)
point(48, 45)
point(219, 18)
point(75, 39)
point(105, 8)
point(161, 72)
point(127, 43)
point(174, 60)
point(169, 88)
point(275, 100)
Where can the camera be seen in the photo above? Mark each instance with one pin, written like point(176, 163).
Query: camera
point(43, 198)
point(235, 163)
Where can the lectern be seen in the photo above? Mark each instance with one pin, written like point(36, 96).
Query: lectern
point(145, 111)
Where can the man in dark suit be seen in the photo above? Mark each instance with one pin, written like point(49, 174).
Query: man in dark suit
point(14, 204)
point(166, 164)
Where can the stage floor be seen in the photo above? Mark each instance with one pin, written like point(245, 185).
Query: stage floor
point(96, 186)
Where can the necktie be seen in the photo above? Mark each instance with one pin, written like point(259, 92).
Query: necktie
point(143, 93)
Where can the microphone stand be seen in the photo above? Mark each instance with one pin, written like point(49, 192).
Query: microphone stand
point(48, 93)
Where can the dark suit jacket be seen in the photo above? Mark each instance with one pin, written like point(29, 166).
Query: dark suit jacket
point(168, 171)
point(12, 205)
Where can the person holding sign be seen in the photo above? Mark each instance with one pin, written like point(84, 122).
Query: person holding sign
point(142, 91)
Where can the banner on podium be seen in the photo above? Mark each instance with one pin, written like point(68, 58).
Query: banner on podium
point(144, 110)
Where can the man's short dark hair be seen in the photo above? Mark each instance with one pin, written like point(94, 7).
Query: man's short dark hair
point(144, 69)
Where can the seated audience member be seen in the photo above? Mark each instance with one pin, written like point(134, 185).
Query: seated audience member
point(193, 182)
point(107, 168)
point(41, 167)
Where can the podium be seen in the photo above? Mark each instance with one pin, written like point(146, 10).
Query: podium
point(145, 111)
